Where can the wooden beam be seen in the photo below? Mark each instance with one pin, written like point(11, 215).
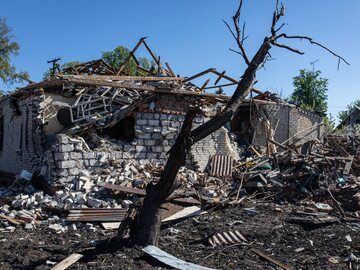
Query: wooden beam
point(204, 85)
point(219, 78)
point(224, 76)
point(171, 71)
point(121, 78)
point(130, 55)
point(218, 86)
point(157, 60)
point(11, 220)
point(198, 75)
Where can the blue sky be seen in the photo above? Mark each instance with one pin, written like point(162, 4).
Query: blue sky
point(191, 36)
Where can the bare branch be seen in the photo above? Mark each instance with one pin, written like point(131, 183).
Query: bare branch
point(236, 52)
point(243, 34)
point(239, 35)
point(315, 43)
point(287, 47)
point(278, 13)
point(281, 26)
point(228, 26)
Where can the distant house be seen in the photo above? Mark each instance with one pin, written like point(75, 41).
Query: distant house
point(352, 119)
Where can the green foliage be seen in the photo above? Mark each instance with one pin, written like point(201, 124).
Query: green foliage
point(116, 58)
point(8, 48)
point(310, 91)
point(70, 64)
point(48, 73)
point(329, 123)
point(349, 108)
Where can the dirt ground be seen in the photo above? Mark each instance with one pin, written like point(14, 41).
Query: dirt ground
point(299, 247)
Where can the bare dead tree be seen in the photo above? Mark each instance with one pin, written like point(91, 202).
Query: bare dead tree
point(147, 228)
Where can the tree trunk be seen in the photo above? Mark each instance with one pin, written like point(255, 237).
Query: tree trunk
point(148, 223)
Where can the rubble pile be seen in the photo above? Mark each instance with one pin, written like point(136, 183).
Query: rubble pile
point(310, 170)
point(325, 168)
point(26, 205)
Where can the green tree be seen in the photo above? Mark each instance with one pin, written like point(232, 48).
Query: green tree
point(310, 91)
point(116, 58)
point(349, 108)
point(8, 48)
point(329, 123)
point(48, 73)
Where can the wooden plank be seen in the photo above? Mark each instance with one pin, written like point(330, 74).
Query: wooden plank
point(184, 213)
point(130, 55)
point(222, 85)
point(270, 259)
point(170, 69)
point(204, 85)
point(198, 75)
point(224, 76)
point(11, 220)
point(67, 262)
point(98, 82)
point(219, 78)
point(122, 78)
point(156, 59)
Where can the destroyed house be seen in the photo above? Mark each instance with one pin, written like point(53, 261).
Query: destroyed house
point(93, 115)
point(352, 120)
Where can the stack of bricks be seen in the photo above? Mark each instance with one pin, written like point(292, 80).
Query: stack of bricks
point(156, 133)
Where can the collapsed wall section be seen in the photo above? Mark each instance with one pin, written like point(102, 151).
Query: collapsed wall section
point(22, 137)
point(156, 126)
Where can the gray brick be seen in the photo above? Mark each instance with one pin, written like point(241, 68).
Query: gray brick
point(156, 136)
point(154, 123)
point(75, 155)
point(151, 155)
point(66, 147)
point(150, 142)
point(144, 136)
point(61, 156)
point(157, 149)
point(74, 171)
point(141, 122)
point(140, 149)
point(66, 164)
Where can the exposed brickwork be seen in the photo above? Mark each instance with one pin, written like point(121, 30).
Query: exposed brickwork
point(287, 121)
point(23, 142)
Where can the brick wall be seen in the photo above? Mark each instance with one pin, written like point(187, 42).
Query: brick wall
point(280, 118)
point(23, 139)
point(287, 121)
